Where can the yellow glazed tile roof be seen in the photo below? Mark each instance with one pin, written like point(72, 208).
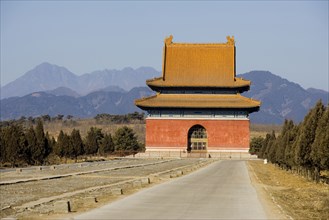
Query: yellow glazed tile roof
point(197, 101)
point(198, 65)
point(237, 83)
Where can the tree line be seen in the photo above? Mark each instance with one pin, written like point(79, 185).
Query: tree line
point(33, 120)
point(103, 118)
point(135, 117)
point(32, 146)
point(302, 148)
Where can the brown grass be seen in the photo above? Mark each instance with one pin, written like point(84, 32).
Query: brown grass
point(299, 198)
point(261, 130)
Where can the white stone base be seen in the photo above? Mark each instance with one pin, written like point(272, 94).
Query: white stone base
point(182, 153)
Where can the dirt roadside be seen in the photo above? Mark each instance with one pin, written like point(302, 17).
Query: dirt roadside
point(272, 209)
point(287, 195)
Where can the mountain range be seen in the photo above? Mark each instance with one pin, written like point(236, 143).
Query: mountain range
point(44, 103)
point(51, 89)
point(47, 76)
point(281, 99)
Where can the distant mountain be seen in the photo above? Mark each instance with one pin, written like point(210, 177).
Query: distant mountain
point(126, 79)
point(53, 90)
point(317, 91)
point(280, 98)
point(43, 77)
point(63, 91)
point(113, 89)
point(42, 103)
point(46, 76)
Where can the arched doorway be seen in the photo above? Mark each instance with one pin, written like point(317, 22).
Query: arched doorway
point(197, 139)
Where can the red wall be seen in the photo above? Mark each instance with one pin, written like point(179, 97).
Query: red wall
point(222, 134)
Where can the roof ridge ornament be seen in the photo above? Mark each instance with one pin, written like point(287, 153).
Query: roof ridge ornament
point(230, 40)
point(168, 40)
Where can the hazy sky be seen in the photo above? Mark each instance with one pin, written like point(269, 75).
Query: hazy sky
point(289, 39)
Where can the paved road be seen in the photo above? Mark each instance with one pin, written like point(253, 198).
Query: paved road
point(221, 190)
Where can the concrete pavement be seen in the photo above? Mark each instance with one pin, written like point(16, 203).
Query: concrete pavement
point(221, 190)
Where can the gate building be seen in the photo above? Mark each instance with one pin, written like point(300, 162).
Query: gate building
point(198, 106)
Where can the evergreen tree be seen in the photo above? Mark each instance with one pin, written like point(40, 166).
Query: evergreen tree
point(289, 137)
point(76, 146)
point(59, 146)
point(51, 144)
point(306, 137)
point(263, 150)
point(106, 146)
point(31, 144)
point(62, 147)
point(320, 146)
point(66, 146)
point(39, 151)
point(281, 144)
point(2, 146)
point(125, 140)
point(92, 140)
point(14, 142)
point(270, 148)
point(256, 144)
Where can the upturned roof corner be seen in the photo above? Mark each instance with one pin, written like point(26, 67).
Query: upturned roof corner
point(168, 40)
point(230, 40)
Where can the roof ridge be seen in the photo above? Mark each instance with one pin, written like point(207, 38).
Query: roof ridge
point(168, 41)
point(199, 44)
point(250, 99)
point(146, 98)
point(154, 78)
point(220, 101)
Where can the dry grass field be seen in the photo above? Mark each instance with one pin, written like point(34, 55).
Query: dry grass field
point(257, 130)
point(298, 197)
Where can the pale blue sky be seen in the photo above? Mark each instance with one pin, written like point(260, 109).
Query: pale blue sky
point(289, 39)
